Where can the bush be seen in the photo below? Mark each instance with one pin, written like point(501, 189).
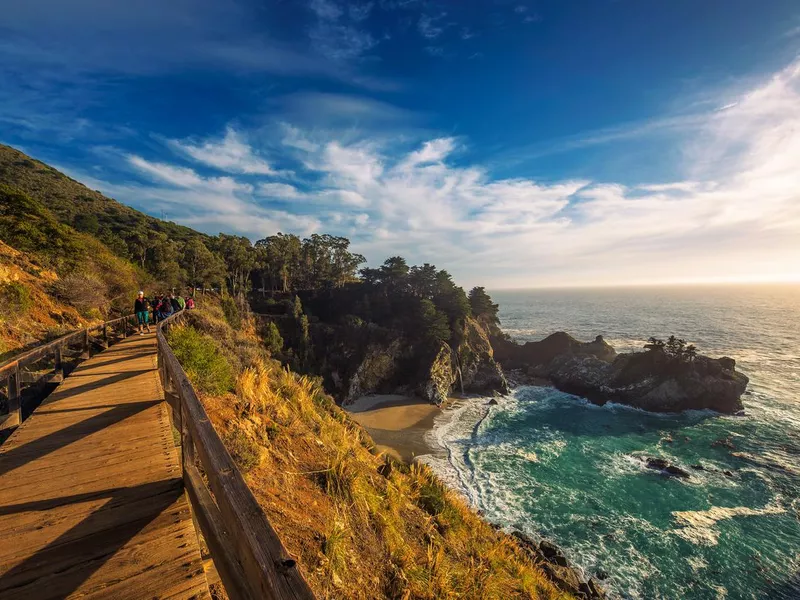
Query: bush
point(244, 451)
point(272, 338)
point(16, 299)
point(202, 359)
point(84, 291)
point(231, 311)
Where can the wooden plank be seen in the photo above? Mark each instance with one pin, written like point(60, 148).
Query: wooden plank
point(91, 490)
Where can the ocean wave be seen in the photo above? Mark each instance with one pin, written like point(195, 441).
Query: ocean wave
point(697, 526)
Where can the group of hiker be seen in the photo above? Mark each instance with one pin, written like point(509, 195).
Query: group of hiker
point(162, 306)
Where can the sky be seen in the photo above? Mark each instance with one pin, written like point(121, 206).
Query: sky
point(515, 143)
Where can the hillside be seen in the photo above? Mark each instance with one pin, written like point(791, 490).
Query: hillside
point(360, 525)
point(86, 210)
point(52, 278)
point(70, 256)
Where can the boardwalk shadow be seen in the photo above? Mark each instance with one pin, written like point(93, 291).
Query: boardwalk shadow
point(71, 559)
point(18, 456)
point(62, 394)
point(126, 356)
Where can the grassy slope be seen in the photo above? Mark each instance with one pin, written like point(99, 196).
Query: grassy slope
point(52, 278)
point(360, 528)
point(68, 199)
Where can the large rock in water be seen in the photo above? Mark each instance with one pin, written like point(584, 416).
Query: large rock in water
point(652, 381)
point(649, 380)
point(531, 354)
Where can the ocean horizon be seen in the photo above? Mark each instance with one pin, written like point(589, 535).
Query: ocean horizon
point(555, 466)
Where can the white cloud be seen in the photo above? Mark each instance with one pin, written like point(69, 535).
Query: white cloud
point(428, 26)
point(280, 190)
point(229, 154)
point(359, 12)
point(432, 151)
point(735, 214)
point(325, 9)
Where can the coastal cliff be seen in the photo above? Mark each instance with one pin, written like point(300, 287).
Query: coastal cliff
point(357, 359)
point(661, 379)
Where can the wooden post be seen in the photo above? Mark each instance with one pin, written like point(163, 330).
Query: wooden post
point(58, 366)
point(86, 348)
point(105, 335)
point(124, 327)
point(15, 398)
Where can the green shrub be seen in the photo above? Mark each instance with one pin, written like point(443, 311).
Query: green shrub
point(231, 311)
point(16, 299)
point(243, 450)
point(202, 359)
point(272, 338)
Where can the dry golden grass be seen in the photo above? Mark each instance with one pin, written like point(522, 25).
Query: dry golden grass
point(358, 528)
point(42, 316)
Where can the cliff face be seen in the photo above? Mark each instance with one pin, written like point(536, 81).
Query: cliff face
point(364, 359)
point(470, 369)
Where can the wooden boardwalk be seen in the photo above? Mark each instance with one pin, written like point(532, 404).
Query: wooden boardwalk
point(92, 503)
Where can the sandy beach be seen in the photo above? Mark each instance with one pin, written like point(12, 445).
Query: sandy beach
point(398, 424)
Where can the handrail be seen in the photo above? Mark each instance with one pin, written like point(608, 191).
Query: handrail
point(11, 370)
point(247, 552)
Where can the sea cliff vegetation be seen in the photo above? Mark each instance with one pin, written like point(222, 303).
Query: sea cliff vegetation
point(361, 525)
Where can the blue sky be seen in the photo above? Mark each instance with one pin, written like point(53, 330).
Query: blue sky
point(515, 143)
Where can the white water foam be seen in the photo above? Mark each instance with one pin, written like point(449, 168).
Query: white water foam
point(697, 526)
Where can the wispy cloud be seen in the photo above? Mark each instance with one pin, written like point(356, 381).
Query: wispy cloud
point(230, 154)
point(429, 26)
point(337, 35)
point(359, 12)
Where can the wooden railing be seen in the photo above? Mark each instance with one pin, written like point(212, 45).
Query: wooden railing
point(13, 372)
point(247, 553)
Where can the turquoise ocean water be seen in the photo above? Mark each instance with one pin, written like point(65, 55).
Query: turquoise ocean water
point(553, 465)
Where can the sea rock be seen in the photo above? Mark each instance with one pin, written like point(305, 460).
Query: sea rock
point(651, 381)
point(666, 468)
point(531, 354)
point(555, 564)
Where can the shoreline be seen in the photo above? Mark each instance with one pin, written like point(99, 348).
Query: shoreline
point(399, 425)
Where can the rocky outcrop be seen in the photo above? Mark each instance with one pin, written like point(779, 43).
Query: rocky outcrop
point(439, 377)
point(359, 359)
point(472, 369)
point(377, 367)
point(479, 371)
point(552, 560)
point(530, 355)
point(652, 380)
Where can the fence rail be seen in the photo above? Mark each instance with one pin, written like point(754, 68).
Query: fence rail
point(13, 373)
point(247, 552)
